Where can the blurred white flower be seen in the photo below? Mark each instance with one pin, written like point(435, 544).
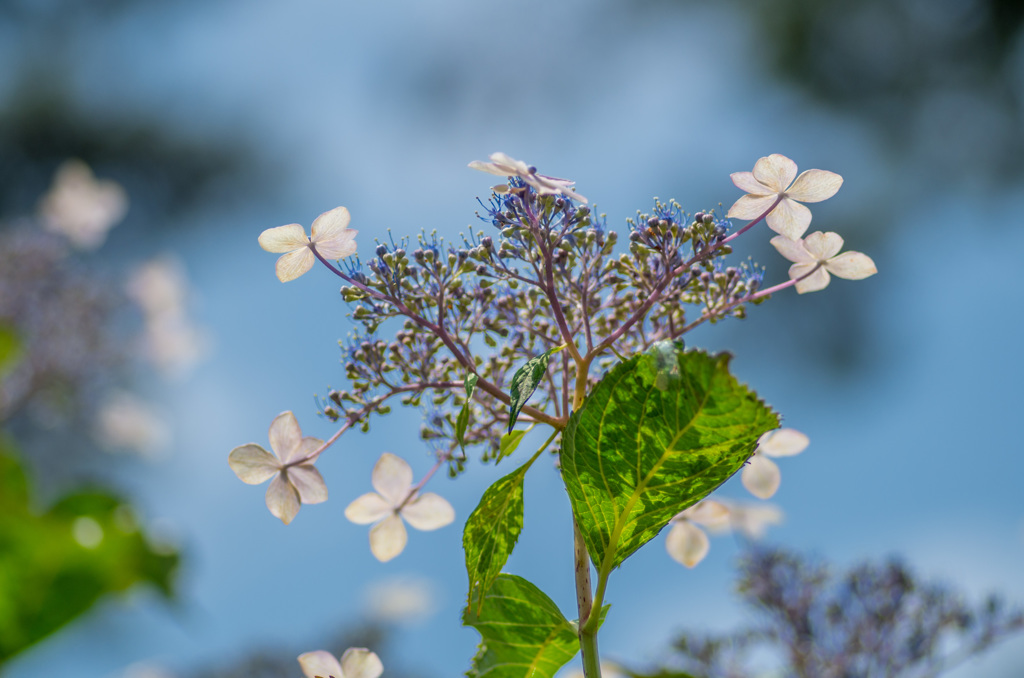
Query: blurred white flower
point(504, 166)
point(753, 519)
point(357, 662)
point(125, 422)
point(81, 208)
point(392, 478)
point(819, 252)
point(171, 341)
point(330, 234)
point(773, 177)
point(295, 482)
point(761, 475)
point(686, 542)
point(400, 600)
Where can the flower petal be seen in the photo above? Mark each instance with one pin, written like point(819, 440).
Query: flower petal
point(761, 477)
point(709, 513)
point(308, 482)
point(387, 538)
point(252, 464)
point(306, 447)
point(852, 266)
point(283, 238)
point(428, 511)
point(783, 442)
point(790, 219)
point(341, 246)
point(320, 664)
point(294, 264)
point(815, 185)
point(817, 281)
point(392, 477)
point(358, 662)
point(368, 508)
point(750, 207)
point(752, 520)
point(687, 543)
point(793, 250)
point(776, 172)
point(282, 499)
point(330, 224)
point(285, 435)
point(823, 246)
point(746, 182)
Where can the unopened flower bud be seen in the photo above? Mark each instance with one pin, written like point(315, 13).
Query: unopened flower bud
point(486, 242)
point(381, 250)
point(481, 270)
point(635, 236)
point(698, 217)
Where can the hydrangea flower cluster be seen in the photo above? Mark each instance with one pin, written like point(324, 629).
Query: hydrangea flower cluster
point(515, 322)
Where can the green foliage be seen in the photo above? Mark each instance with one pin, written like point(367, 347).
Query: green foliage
point(659, 433)
point(462, 422)
point(509, 443)
point(47, 576)
point(493, 529)
point(525, 382)
point(523, 633)
point(10, 349)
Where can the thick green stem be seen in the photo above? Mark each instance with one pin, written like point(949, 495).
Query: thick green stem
point(585, 603)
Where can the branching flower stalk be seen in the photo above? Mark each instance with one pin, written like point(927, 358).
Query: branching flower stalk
point(542, 320)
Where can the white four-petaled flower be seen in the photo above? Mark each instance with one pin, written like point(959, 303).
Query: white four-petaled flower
point(394, 500)
point(761, 475)
point(504, 166)
point(773, 178)
point(686, 542)
point(357, 662)
point(296, 480)
point(818, 255)
point(330, 234)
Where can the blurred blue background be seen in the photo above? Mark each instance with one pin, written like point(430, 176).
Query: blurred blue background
point(908, 383)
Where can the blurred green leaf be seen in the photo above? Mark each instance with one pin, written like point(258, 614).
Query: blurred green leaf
point(10, 350)
point(56, 564)
point(659, 433)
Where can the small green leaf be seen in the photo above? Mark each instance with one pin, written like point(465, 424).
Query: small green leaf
point(462, 422)
point(525, 382)
point(489, 340)
point(509, 443)
point(10, 349)
point(523, 633)
point(659, 433)
point(493, 529)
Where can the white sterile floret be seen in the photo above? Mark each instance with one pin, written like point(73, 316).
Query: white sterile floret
point(296, 480)
point(394, 500)
point(818, 255)
point(686, 542)
point(761, 475)
point(357, 662)
point(81, 207)
point(504, 166)
point(753, 519)
point(773, 178)
point(331, 236)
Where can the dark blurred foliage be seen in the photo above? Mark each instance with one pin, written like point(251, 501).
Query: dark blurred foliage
point(166, 171)
point(282, 662)
point(875, 620)
point(56, 563)
point(941, 80)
